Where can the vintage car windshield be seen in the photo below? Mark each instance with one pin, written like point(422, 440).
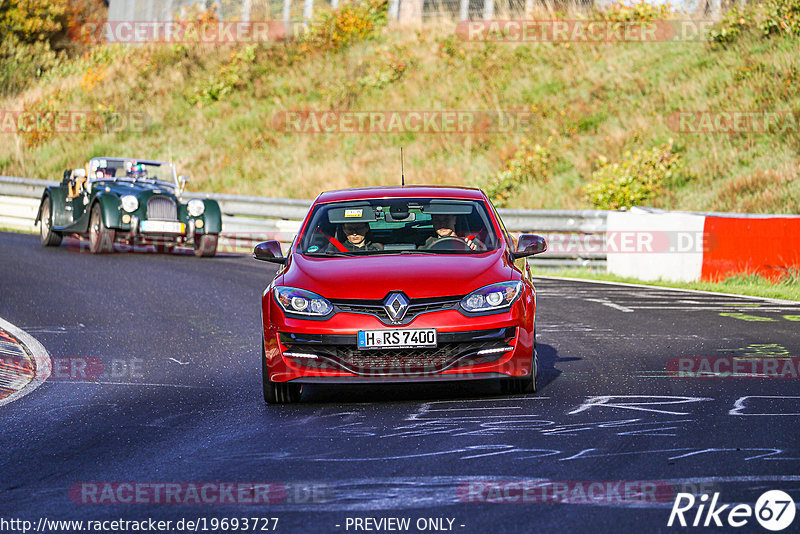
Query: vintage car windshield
point(398, 226)
point(132, 170)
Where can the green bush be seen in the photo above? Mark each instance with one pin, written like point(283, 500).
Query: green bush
point(733, 24)
point(352, 22)
point(642, 11)
point(531, 163)
point(32, 21)
point(22, 63)
point(226, 79)
point(634, 180)
point(781, 17)
point(35, 35)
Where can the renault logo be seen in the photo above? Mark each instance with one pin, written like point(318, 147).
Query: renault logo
point(396, 305)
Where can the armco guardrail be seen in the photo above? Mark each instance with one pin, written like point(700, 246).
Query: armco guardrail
point(575, 236)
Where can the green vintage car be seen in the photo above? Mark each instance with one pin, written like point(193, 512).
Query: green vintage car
point(128, 201)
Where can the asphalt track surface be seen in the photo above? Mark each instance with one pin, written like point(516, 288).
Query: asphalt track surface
point(184, 405)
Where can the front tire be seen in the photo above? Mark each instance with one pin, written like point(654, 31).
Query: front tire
point(49, 237)
point(278, 392)
point(521, 386)
point(206, 245)
point(101, 238)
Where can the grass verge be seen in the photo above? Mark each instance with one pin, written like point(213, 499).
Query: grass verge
point(751, 284)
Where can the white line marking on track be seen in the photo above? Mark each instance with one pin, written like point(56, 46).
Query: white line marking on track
point(40, 357)
point(606, 302)
point(739, 405)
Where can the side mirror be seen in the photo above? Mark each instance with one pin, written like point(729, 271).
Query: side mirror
point(269, 251)
point(183, 179)
point(529, 245)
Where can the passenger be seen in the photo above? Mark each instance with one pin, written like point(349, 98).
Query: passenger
point(357, 235)
point(445, 226)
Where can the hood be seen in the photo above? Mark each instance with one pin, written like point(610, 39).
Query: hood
point(417, 275)
point(129, 188)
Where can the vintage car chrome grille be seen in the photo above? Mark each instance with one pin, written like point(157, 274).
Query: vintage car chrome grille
point(161, 207)
point(336, 353)
point(416, 307)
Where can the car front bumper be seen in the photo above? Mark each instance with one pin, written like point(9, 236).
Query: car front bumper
point(489, 346)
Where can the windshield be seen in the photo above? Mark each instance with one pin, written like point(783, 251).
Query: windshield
point(398, 226)
point(131, 169)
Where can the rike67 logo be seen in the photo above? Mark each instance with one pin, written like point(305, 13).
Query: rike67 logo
point(774, 510)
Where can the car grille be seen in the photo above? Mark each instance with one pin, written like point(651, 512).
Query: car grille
point(340, 353)
point(415, 308)
point(161, 207)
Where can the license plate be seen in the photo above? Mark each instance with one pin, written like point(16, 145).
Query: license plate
point(397, 338)
point(165, 227)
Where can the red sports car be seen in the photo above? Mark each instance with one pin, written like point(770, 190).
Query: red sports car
point(399, 284)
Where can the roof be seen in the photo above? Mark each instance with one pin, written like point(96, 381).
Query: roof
point(396, 191)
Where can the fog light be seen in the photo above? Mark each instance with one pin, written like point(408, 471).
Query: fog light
point(199, 223)
point(126, 219)
point(493, 351)
point(301, 355)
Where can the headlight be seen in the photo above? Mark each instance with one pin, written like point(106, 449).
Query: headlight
point(130, 203)
point(492, 297)
point(300, 301)
point(196, 207)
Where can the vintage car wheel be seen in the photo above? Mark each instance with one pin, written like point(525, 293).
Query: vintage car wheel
point(49, 237)
point(101, 239)
point(278, 392)
point(206, 245)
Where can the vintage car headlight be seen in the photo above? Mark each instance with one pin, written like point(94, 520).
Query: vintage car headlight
point(196, 207)
point(492, 297)
point(130, 203)
point(300, 301)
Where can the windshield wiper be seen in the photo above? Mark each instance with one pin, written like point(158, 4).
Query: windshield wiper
point(324, 254)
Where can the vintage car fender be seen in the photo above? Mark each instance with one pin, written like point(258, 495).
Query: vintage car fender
point(212, 217)
point(110, 206)
point(57, 196)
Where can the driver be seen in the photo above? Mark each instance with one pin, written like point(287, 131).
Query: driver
point(445, 226)
point(357, 238)
point(137, 171)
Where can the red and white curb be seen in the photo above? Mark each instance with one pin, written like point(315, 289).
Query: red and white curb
point(24, 363)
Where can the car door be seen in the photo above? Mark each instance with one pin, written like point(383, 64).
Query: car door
point(79, 204)
point(70, 185)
